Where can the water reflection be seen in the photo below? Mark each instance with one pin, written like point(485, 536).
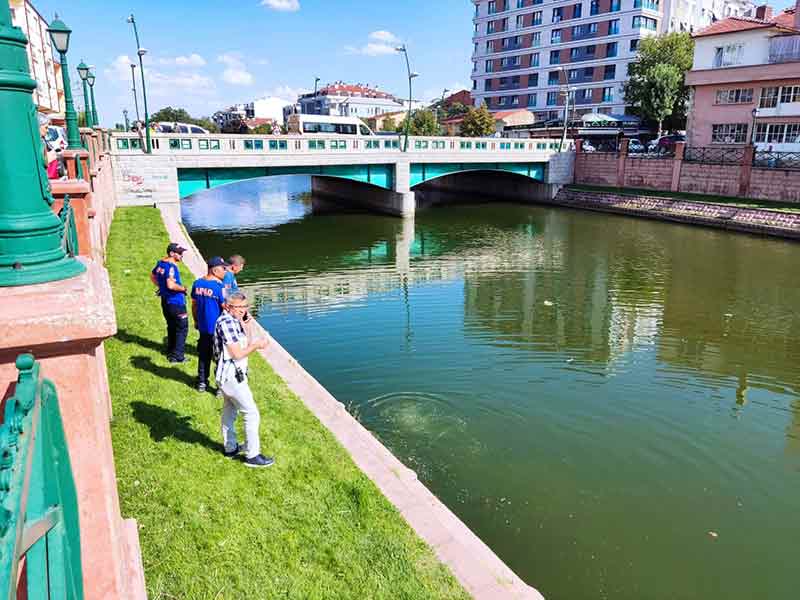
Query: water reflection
point(591, 394)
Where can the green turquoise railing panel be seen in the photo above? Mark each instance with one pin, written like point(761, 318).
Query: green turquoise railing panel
point(70, 228)
point(191, 181)
point(38, 501)
point(422, 172)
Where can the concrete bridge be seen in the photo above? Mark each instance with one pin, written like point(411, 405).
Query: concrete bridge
point(371, 172)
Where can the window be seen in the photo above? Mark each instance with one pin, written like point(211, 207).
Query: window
point(505, 145)
point(577, 31)
point(555, 36)
point(421, 145)
point(515, 81)
point(122, 144)
point(490, 27)
point(615, 5)
point(648, 4)
point(531, 99)
point(503, 81)
point(536, 39)
point(438, 145)
point(533, 80)
point(613, 27)
point(487, 85)
point(312, 144)
point(489, 46)
point(492, 7)
point(640, 22)
point(611, 49)
point(537, 1)
point(585, 94)
point(574, 74)
point(594, 7)
point(576, 11)
point(552, 98)
point(520, 21)
point(737, 96)
point(590, 50)
point(588, 73)
point(634, 45)
point(537, 17)
point(519, 145)
point(574, 53)
point(609, 71)
point(592, 28)
point(480, 145)
point(726, 56)
point(520, 3)
point(276, 144)
point(555, 57)
point(553, 78)
point(558, 14)
point(790, 94)
point(489, 66)
point(792, 133)
point(391, 144)
point(515, 101)
point(769, 97)
point(729, 133)
point(338, 145)
point(535, 59)
point(608, 94)
point(502, 101)
point(466, 145)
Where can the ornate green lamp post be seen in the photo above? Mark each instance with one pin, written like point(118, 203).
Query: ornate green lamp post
point(60, 33)
point(90, 80)
point(411, 75)
point(31, 249)
point(83, 73)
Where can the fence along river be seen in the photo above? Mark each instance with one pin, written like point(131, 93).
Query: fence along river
point(610, 403)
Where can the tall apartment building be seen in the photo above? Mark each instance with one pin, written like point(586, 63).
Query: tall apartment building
point(527, 54)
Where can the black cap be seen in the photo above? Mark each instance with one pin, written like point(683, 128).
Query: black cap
point(217, 261)
point(173, 247)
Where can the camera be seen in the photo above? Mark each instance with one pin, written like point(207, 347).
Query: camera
point(239, 374)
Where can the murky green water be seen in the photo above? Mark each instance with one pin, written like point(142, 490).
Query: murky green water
point(612, 404)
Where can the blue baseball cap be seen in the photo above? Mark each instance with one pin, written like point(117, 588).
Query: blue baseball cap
point(217, 261)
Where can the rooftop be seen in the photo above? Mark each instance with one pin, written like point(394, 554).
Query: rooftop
point(784, 22)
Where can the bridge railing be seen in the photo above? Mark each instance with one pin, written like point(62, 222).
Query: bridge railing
point(179, 144)
point(40, 549)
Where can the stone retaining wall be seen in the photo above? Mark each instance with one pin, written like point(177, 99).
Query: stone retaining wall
point(722, 216)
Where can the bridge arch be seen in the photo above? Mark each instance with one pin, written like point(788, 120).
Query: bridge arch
point(421, 173)
point(193, 180)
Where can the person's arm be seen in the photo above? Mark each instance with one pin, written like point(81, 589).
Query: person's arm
point(153, 278)
point(237, 352)
point(174, 285)
point(194, 312)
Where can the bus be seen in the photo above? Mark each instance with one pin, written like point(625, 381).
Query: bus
point(326, 125)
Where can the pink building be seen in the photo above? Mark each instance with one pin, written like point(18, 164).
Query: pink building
point(745, 82)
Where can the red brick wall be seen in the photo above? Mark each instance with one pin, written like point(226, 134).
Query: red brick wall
point(653, 173)
point(720, 180)
point(775, 184)
point(596, 168)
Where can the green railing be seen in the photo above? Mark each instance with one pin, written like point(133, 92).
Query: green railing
point(70, 228)
point(40, 548)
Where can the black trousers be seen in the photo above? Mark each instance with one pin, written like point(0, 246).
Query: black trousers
point(177, 328)
point(205, 352)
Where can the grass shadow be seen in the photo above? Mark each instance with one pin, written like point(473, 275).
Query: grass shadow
point(165, 423)
point(145, 363)
point(131, 338)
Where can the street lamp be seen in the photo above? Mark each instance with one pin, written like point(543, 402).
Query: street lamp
point(316, 81)
point(441, 104)
point(135, 99)
point(566, 92)
point(411, 75)
point(141, 52)
point(90, 81)
point(83, 73)
point(59, 34)
point(31, 234)
point(125, 116)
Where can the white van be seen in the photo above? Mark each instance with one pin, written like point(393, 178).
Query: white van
point(172, 127)
point(326, 125)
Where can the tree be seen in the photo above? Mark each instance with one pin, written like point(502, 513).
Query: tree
point(663, 87)
point(478, 122)
point(389, 124)
point(264, 129)
point(456, 109)
point(423, 122)
point(675, 50)
point(181, 115)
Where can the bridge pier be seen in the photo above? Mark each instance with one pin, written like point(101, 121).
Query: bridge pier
point(398, 202)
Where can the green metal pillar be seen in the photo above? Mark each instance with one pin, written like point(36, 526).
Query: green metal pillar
point(83, 73)
point(31, 235)
point(58, 27)
point(95, 121)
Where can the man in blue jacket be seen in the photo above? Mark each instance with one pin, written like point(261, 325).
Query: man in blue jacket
point(207, 301)
point(167, 277)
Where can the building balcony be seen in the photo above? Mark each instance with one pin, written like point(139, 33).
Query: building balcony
point(784, 49)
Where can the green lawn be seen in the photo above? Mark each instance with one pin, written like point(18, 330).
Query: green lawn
point(735, 201)
point(312, 526)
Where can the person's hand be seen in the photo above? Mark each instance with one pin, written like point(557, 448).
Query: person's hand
point(262, 344)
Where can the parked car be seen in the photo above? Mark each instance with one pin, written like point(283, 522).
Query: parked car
point(587, 146)
point(635, 146)
point(666, 143)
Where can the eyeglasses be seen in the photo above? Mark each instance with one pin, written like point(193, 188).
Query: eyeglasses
point(237, 306)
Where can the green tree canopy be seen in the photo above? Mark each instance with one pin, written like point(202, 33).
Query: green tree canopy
point(664, 84)
point(389, 124)
point(181, 115)
point(478, 122)
point(423, 122)
point(456, 109)
point(675, 50)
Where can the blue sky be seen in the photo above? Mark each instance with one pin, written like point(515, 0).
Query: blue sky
point(205, 55)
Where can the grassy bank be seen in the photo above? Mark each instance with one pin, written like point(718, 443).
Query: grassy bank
point(735, 201)
point(312, 526)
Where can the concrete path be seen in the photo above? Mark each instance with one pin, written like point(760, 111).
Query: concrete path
point(471, 561)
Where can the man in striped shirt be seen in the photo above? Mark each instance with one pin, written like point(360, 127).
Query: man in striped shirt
point(231, 348)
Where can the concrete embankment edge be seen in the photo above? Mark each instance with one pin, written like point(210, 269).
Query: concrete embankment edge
point(473, 563)
point(689, 212)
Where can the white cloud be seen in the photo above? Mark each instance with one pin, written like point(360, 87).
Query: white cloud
point(384, 36)
point(193, 60)
point(282, 5)
point(236, 72)
point(159, 83)
point(286, 92)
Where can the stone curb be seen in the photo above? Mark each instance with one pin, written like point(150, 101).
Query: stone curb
point(476, 567)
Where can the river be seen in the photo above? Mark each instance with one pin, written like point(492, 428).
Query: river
point(612, 404)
